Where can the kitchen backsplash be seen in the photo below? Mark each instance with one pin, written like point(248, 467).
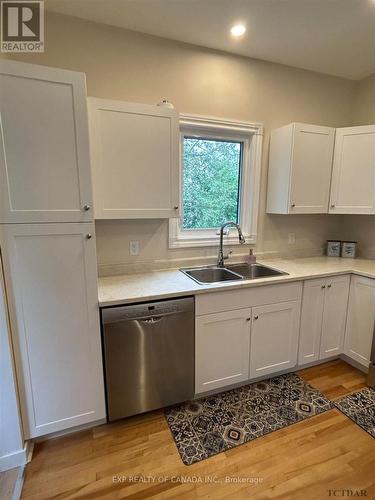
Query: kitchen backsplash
point(113, 238)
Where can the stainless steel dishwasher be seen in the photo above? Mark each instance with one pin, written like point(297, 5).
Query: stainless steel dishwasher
point(148, 355)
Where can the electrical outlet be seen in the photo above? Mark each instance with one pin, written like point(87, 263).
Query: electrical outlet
point(291, 238)
point(134, 247)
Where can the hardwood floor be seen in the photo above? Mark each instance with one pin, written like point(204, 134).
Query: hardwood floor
point(305, 460)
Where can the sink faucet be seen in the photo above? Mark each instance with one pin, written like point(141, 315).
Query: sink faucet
point(241, 239)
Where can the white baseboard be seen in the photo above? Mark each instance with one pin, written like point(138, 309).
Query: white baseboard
point(16, 459)
point(354, 363)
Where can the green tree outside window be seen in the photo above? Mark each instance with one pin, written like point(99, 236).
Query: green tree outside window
point(211, 180)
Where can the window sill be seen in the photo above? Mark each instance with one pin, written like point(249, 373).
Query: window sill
point(209, 242)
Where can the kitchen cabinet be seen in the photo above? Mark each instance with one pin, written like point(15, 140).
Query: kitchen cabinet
point(222, 343)
point(353, 175)
point(241, 298)
point(44, 153)
point(323, 318)
point(12, 449)
point(334, 316)
point(300, 165)
point(245, 333)
point(50, 274)
point(274, 338)
point(311, 320)
point(135, 160)
point(360, 322)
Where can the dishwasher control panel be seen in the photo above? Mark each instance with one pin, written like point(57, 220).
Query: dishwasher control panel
point(139, 311)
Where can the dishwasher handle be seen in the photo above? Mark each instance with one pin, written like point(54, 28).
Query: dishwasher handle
point(152, 320)
point(145, 318)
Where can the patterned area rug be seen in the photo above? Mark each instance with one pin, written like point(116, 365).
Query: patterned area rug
point(360, 407)
point(213, 424)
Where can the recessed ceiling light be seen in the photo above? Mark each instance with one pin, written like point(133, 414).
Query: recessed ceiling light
point(238, 30)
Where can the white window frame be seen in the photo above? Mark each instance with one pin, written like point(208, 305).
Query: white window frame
point(251, 135)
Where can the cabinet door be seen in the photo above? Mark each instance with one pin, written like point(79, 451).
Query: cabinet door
point(311, 168)
point(353, 176)
point(222, 343)
point(50, 272)
point(11, 437)
point(311, 320)
point(44, 149)
point(274, 338)
point(360, 322)
point(334, 316)
point(135, 158)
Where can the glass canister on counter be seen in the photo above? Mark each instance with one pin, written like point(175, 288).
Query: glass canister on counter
point(348, 249)
point(333, 248)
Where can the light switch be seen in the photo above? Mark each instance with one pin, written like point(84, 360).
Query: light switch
point(134, 247)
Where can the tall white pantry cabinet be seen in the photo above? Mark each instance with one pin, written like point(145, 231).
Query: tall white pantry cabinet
point(47, 240)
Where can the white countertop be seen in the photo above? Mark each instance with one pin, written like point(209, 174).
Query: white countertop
point(156, 285)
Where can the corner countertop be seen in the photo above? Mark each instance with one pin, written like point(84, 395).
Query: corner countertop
point(130, 288)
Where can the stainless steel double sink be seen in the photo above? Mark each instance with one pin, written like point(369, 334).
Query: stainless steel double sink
point(233, 272)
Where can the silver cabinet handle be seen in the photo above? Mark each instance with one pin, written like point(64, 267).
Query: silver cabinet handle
point(256, 317)
point(323, 286)
point(86, 207)
point(176, 207)
point(332, 205)
point(293, 205)
point(88, 236)
point(248, 319)
point(329, 286)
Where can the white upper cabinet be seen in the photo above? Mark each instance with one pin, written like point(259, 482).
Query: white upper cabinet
point(300, 166)
point(135, 160)
point(353, 176)
point(361, 317)
point(50, 273)
point(44, 149)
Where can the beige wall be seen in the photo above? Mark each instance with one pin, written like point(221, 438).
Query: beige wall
point(364, 104)
point(125, 65)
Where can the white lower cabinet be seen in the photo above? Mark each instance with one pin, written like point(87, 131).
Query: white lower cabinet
point(311, 321)
point(234, 343)
point(50, 274)
point(222, 343)
point(274, 338)
point(360, 322)
point(323, 318)
point(334, 316)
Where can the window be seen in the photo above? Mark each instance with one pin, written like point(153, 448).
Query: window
point(220, 166)
point(211, 182)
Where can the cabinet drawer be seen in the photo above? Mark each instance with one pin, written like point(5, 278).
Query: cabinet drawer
point(246, 297)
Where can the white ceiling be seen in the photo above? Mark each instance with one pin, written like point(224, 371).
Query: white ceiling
point(336, 37)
